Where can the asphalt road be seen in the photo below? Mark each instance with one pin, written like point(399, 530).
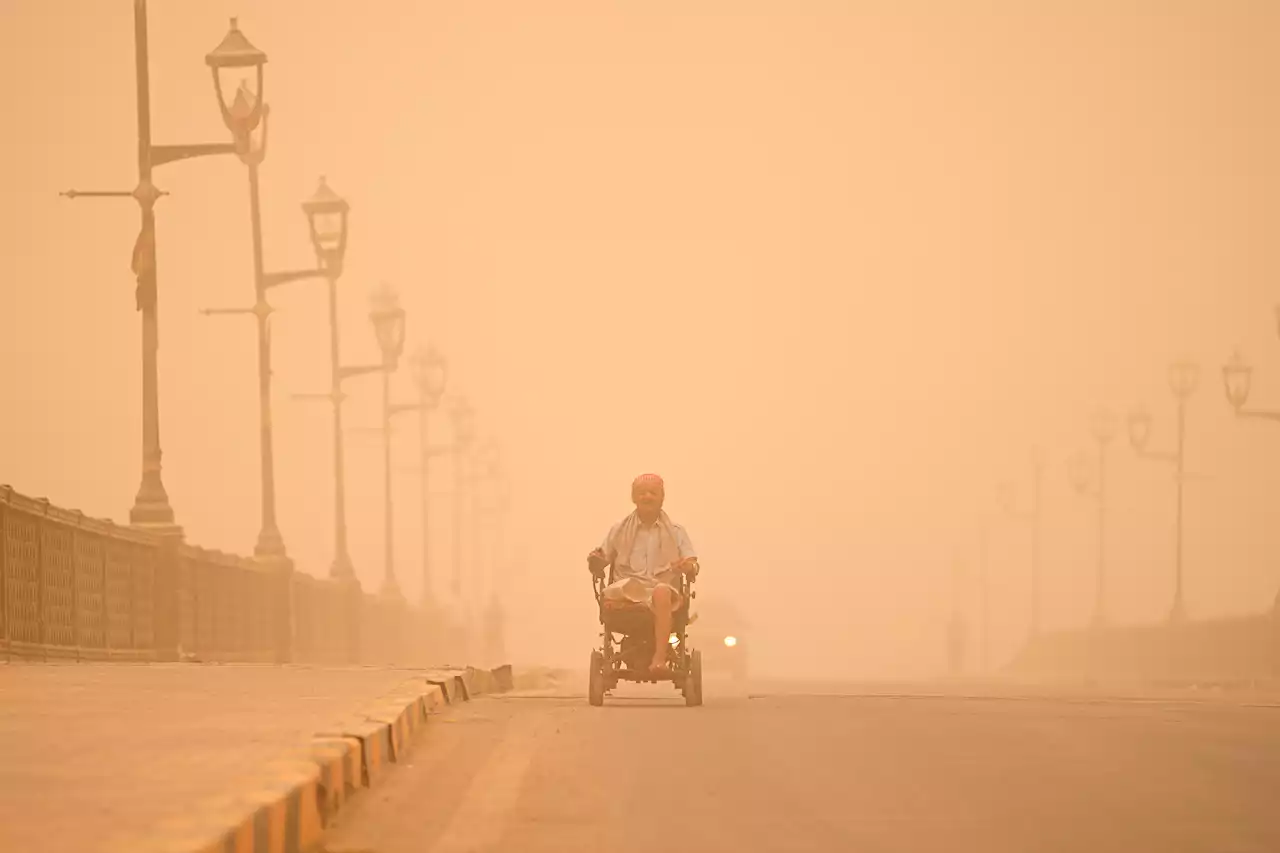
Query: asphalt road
point(881, 768)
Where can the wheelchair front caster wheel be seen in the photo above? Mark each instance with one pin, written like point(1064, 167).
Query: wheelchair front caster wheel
point(693, 681)
point(595, 682)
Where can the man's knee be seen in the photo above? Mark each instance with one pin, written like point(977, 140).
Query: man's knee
point(662, 598)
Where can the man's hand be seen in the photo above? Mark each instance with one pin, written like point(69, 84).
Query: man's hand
point(596, 562)
point(688, 566)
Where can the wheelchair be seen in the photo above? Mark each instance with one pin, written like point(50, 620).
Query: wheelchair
point(626, 644)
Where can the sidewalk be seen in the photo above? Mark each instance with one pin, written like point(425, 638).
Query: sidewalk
point(93, 753)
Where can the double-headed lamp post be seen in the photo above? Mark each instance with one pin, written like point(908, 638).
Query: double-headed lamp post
point(151, 508)
point(430, 373)
point(1184, 378)
point(1008, 503)
point(1104, 431)
point(388, 325)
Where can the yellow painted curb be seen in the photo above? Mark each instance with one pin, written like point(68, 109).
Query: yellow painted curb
point(285, 805)
point(375, 745)
point(503, 678)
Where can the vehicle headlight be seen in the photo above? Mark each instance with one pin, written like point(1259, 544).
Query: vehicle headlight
point(731, 641)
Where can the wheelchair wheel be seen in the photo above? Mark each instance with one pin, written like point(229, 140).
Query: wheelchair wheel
point(595, 682)
point(693, 681)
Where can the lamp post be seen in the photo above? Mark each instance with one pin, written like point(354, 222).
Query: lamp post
point(151, 508)
point(1103, 431)
point(388, 326)
point(464, 433)
point(496, 615)
point(489, 503)
point(486, 466)
point(327, 213)
point(1237, 381)
point(1184, 378)
point(1032, 515)
point(237, 68)
point(984, 584)
point(430, 374)
point(956, 628)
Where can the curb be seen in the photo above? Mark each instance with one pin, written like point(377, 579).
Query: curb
point(285, 806)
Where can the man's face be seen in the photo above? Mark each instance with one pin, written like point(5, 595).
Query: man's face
point(647, 497)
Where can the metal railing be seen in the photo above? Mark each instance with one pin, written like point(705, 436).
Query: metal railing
point(80, 588)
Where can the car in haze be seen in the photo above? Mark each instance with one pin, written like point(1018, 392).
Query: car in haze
point(721, 632)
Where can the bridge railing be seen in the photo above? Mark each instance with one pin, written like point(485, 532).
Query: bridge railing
point(1239, 647)
point(79, 588)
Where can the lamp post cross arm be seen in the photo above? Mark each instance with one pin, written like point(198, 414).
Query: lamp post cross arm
point(359, 370)
point(161, 154)
point(1259, 414)
point(275, 279)
point(75, 194)
point(325, 396)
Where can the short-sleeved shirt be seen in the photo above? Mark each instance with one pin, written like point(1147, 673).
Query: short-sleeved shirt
point(646, 553)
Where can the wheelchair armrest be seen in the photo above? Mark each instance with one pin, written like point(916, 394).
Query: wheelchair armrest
point(596, 565)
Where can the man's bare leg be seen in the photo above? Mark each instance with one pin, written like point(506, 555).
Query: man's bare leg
point(661, 627)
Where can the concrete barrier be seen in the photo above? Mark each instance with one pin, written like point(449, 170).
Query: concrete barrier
point(503, 679)
point(450, 684)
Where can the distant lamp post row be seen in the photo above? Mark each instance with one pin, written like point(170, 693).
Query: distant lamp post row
point(1184, 378)
point(1103, 430)
point(238, 72)
point(1032, 515)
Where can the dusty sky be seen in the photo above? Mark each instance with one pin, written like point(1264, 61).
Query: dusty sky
point(831, 268)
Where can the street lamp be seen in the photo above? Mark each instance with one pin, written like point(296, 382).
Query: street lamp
point(486, 468)
point(984, 581)
point(151, 508)
point(327, 214)
point(464, 433)
point(494, 484)
point(327, 220)
point(1184, 378)
point(238, 80)
point(387, 318)
point(430, 373)
point(1103, 431)
point(1007, 500)
point(237, 68)
point(429, 370)
point(1237, 380)
point(957, 630)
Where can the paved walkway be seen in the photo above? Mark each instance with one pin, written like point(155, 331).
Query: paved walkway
point(90, 752)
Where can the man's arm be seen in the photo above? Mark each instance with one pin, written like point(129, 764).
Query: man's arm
point(688, 556)
point(684, 543)
point(605, 554)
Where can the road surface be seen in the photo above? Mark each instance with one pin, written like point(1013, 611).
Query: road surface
point(786, 770)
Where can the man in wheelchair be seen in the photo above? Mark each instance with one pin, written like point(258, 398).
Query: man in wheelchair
point(649, 554)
